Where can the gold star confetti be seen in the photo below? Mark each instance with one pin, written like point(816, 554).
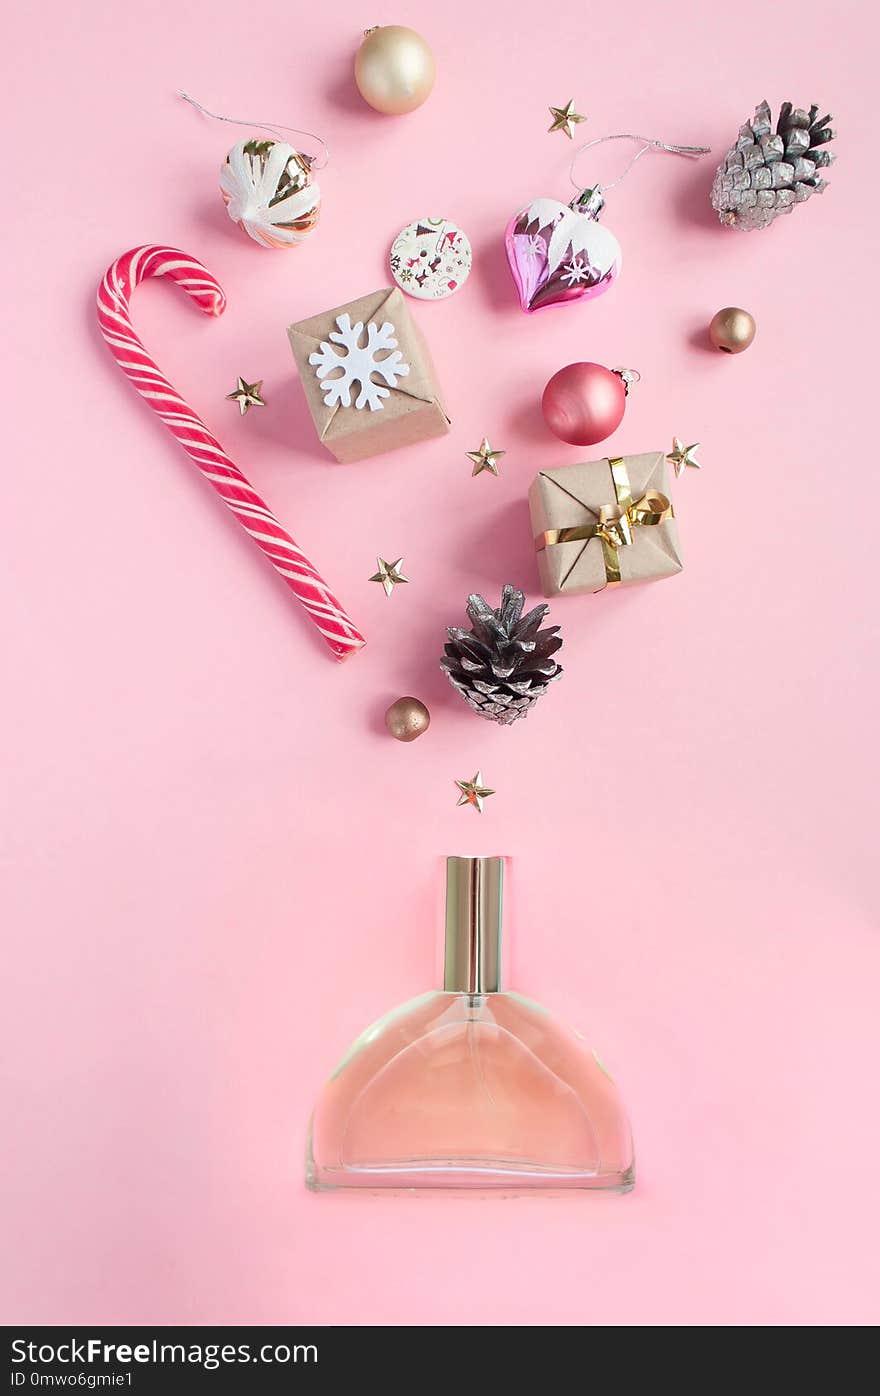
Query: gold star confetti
point(389, 574)
point(682, 455)
point(473, 792)
point(565, 118)
point(247, 395)
point(485, 458)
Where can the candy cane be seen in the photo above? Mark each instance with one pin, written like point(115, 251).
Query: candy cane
point(114, 317)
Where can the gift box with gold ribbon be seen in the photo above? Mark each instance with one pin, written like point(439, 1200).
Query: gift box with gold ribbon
point(604, 523)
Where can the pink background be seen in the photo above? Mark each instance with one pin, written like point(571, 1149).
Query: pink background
point(218, 867)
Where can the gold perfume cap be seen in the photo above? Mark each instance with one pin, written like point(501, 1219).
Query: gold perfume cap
point(474, 896)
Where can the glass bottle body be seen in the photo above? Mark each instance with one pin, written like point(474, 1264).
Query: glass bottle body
point(463, 1090)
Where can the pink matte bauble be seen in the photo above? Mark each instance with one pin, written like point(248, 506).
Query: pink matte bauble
point(584, 403)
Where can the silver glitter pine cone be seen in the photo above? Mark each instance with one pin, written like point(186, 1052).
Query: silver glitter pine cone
point(766, 173)
point(504, 663)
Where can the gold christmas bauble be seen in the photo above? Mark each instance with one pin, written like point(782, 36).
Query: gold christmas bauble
point(407, 719)
point(394, 69)
point(732, 329)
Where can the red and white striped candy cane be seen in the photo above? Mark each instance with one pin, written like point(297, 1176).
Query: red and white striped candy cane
point(201, 446)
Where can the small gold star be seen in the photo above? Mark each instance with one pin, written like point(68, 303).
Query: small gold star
point(682, 455)
point(485, 458)
point(247, 395)
point(565, 118)
point(389, 574)
point(473, 792)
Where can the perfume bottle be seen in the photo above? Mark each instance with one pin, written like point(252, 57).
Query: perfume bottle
point(473, 1086)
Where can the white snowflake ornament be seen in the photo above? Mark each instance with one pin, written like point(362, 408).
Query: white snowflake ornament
point(358, 364)
point(575, 272)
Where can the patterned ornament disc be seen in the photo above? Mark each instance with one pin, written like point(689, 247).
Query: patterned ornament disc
point(430, 258)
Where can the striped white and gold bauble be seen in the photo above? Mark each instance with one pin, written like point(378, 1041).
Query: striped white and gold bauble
point(269, 192)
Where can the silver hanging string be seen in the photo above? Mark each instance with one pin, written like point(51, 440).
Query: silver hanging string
point(318, 163)
point(691, 151)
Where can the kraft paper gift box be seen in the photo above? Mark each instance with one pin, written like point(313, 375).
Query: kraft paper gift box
point(371, 389)
point(604, 523)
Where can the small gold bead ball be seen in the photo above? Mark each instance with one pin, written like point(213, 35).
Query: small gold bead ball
point(394, 69)
point(732, 329)
point(407, 719)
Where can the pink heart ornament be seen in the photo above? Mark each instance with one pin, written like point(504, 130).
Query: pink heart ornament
point(559, 253)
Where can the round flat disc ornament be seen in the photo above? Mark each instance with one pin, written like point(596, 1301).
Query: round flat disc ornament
point(430, 259)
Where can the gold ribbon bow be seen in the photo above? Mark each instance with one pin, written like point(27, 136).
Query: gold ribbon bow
point(615, 524)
